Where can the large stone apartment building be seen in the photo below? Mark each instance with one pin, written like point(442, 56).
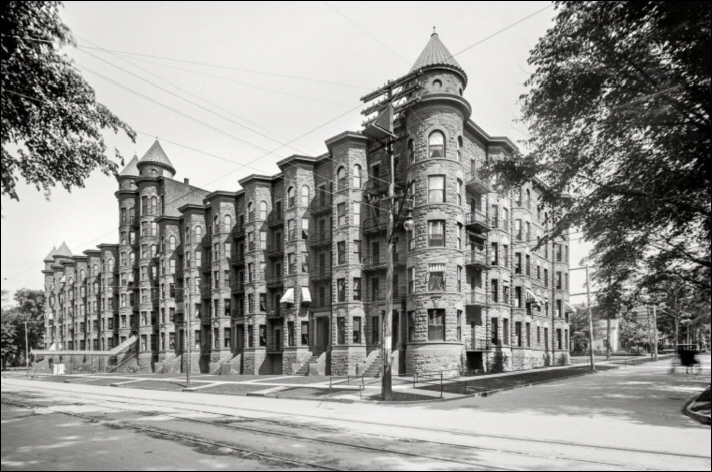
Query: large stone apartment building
point(288, 272)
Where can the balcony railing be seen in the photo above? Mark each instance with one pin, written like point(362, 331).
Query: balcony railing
point(374, 263)
point(321, 205)
point(478, 258)
point(319, 238)
point(478, 297)
point(376, 223)
point(477, 183)
point(275, 281)
point(378, 295)
point(276, 219)
point(477, 221)
point(275, 250)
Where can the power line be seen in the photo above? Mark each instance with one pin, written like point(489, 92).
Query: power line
point(205, 74)
point(220, 66)
point(240, 69)
point(365, 31)
point(487, 38)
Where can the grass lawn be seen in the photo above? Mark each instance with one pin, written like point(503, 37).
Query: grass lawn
point(483, 384)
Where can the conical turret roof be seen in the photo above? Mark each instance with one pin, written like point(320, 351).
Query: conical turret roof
point(156, 155)
point(63, 251)
point(436, 54)
point(131, 169)
point(50, 256)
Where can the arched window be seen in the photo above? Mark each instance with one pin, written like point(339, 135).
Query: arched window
point(82, 275)
point(96, 269)
point(263, 210)
point(250, 211)
point(110, 263)
point(529, 199)
point(187, 235)
point(172, 243)
point(290, 197)
point(411, 151)
point(154, 205)
point(341, 178)
point(70, 280)
point(437, 84)
point(305, 196)
point(227, 223)
point(216, 224)
point(198, 233)
point(357, 176)
point(154, 250)
point(436, 145)
point(459, 148)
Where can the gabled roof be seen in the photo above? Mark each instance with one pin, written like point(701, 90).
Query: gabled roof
point(436, 54)
point(131, 169)
point(63, 251)
point(50, 256)
point(156, 155)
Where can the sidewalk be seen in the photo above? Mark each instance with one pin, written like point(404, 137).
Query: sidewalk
point(339, 389)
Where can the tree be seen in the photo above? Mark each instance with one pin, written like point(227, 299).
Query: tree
point(51, 123)
point(634, 333)
point(29, 310)
point(618, 109)
point(578, 324)
point(7, 347)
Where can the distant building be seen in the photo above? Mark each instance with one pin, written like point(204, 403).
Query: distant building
point(601, 341)
point(287, 272)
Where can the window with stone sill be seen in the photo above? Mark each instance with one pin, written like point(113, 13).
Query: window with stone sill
point(436, 189)
point(436, 233)
point(436, 325)
point(436, 145)
point(436, 277)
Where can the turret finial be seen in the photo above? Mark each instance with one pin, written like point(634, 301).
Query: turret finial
point(434, 32)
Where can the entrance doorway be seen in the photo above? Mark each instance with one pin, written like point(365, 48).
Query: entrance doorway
point(322, 334)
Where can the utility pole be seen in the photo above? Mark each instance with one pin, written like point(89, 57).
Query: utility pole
point(655, 332)
point(590, 321)
point(397, 98)
point(387, 380)
point(188, 329)
point(27, 350)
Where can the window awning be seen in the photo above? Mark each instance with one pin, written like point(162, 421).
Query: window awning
point(306, 295)
point(288, 296)
point(532, 298)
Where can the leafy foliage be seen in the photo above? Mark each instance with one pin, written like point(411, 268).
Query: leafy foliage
point(619, 115)
point(51, 123)
point(30, 309)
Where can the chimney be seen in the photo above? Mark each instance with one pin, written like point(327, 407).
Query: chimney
point(186, 181)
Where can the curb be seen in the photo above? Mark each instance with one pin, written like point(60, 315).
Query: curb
point(687, 410)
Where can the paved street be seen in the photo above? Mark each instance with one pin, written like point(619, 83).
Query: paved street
point(628, 418)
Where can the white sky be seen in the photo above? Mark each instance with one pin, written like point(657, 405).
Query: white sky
point(216, 110)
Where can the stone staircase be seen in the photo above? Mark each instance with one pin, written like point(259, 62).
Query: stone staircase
point(304, 369)
point(374, 368)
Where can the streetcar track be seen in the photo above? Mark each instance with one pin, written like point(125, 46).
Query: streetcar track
point(187, 438)
point(410, 427)
point(291, 436)
point(239, 419)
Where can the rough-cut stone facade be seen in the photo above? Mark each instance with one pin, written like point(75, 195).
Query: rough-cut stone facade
point(291, 268)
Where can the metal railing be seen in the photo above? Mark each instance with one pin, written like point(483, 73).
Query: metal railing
point(478, 297)
point(478, 219)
